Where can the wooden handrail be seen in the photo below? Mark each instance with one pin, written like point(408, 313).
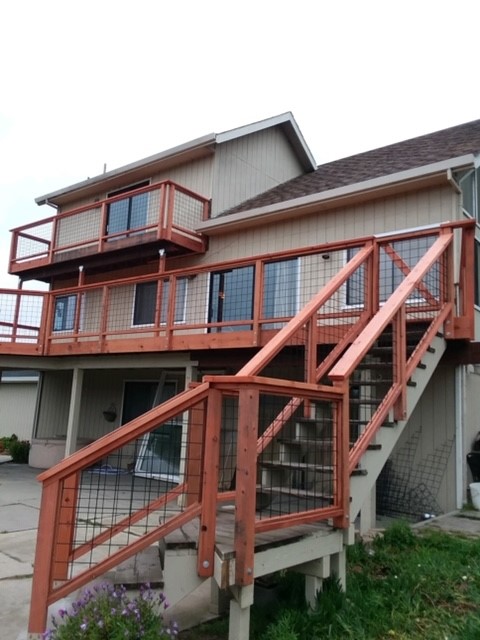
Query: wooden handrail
point(94, 452)
point(349, 361)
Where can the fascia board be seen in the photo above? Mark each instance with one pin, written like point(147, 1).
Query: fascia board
point(157, 158)
point(292, 131)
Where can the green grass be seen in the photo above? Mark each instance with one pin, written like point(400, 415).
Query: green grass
point(402, 586)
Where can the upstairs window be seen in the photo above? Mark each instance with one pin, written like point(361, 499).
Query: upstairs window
point(469, 182)
point(129, 212)
point(281, 283)
point(146, 298)
point(231, 298)
point(64, 314)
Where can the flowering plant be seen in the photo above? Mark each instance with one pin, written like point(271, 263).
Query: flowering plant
point(107, 613)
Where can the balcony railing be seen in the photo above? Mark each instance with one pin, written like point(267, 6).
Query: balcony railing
point(235, 304)
point(164, 212)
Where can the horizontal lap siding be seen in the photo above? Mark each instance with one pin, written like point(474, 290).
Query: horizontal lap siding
point(378, 216)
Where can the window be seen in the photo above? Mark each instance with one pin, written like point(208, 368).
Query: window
point(145, 302)
point(469, 182)
point(129, 212)
point(64, 314)
point(231, 298)
point(280, 298)
point(391, 275)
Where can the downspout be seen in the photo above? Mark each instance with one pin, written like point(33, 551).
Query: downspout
point(460, 399)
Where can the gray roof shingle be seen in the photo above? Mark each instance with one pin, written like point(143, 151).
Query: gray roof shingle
point(427, 149)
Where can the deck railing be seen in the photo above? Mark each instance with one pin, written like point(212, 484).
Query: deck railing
point(164, 211)
point(130, 488)
point(236, 303)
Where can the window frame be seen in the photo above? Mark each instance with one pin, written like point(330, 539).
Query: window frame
point(180, 302)
point(67, 316)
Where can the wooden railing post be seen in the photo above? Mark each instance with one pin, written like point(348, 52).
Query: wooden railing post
point(103, 226)
point(341, 445)
point(104, 317)
point(66, 527)
point(258, 301)
point(162, 210)
point(399, 352)
point(246, 482)
point(211, 461)
point(44, 552)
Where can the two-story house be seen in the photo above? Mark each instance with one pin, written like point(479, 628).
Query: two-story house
point(294, 342)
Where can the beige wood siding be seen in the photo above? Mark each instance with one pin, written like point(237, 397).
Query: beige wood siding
point(196, 176)
point(17, 409)
point(250, 165)
point(385, 215)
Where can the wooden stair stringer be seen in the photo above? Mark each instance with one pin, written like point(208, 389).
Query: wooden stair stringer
point(374, 460)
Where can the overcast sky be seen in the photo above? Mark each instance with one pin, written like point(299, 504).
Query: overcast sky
point(102, 81)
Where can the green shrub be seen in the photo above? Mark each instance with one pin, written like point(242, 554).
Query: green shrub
point(6, 441)
point(19, 449)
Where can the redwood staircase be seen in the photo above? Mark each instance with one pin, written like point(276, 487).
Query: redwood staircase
point(284, 490)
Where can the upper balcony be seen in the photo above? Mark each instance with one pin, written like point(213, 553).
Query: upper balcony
point(121, 228)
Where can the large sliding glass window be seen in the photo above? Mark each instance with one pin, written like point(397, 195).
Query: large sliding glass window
point(231, 298)
point(64, 314)
point(280, 292)
point(129, 212)
point(146, 298)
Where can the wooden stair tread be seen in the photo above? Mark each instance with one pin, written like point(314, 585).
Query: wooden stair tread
point(300, 466)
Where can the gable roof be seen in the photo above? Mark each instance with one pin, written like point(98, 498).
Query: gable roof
point(200, 147)
point(428, 149)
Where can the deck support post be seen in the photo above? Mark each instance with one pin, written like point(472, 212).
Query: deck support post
point(239, 621)
point(338, 563)
point(74, 412)
point(315, 573)
point(368, 511)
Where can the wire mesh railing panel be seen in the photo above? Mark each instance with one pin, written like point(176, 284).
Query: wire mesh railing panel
point(130, 492)
point(397, 259)
point(296, 469)
point(81, 229)
point(33, 242)
point(188, 210)
point(20, 317)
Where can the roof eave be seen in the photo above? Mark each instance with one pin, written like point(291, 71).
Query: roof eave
point(289, 126)
point(427, 175)
point(192, 148)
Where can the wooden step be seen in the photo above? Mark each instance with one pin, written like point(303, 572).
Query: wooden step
point(321, 442)
point(296, 466)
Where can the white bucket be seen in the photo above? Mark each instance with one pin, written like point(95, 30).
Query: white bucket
point(475, 495)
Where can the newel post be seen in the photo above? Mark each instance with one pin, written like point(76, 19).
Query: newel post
point(341, 426)
point(44, 558)
point(246, 482)
point(209, 491)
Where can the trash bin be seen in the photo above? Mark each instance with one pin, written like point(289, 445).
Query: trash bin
point(475, 495)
